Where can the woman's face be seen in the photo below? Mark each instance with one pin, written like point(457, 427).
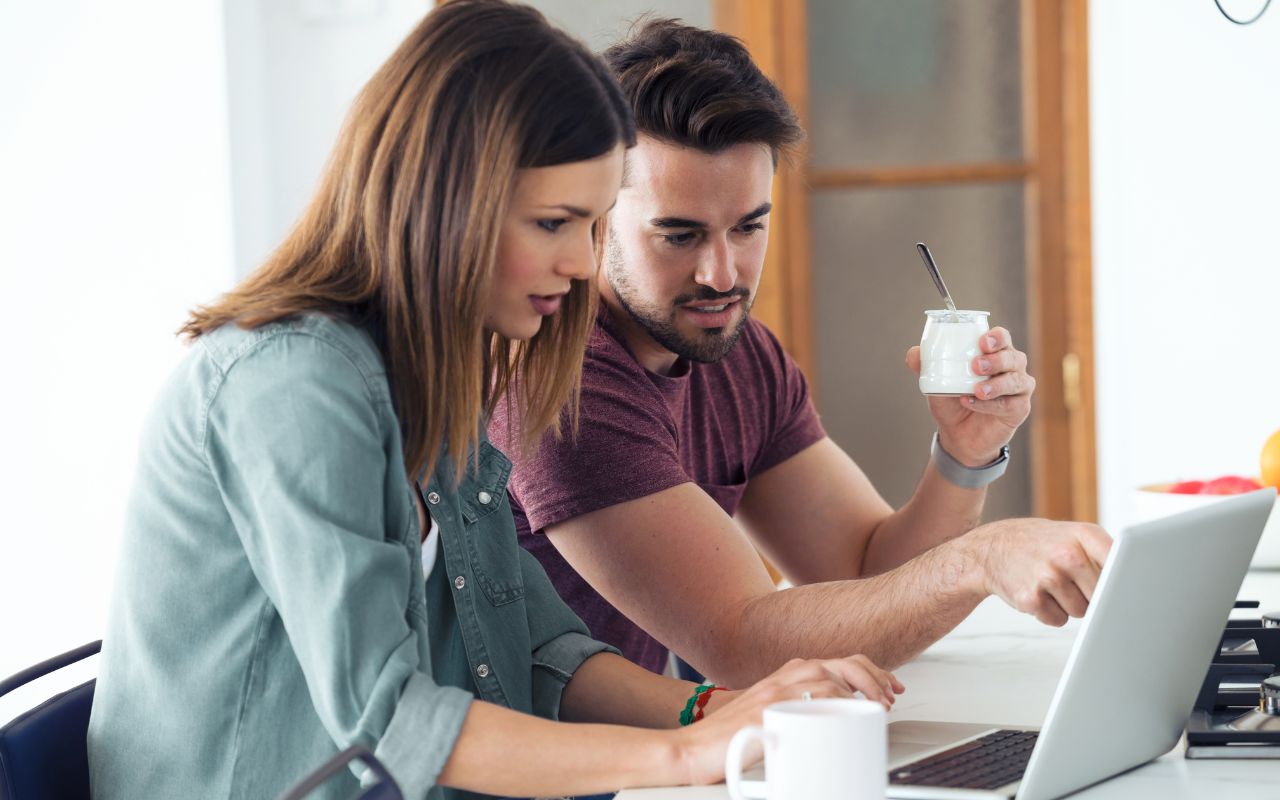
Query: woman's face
point(546, 240)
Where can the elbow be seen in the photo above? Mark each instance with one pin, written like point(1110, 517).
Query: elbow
point(737, 654)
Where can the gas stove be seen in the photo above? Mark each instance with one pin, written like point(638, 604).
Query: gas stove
point(1237, 713)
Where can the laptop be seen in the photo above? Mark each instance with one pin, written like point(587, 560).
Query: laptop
point(1130, 681)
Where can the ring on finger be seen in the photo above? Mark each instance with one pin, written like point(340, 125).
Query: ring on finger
point(806, 696)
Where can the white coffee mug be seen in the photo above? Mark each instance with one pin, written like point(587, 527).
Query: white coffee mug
point(948, 347)
point(815, 750)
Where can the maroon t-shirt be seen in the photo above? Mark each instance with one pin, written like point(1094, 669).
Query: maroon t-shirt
point(715, 425)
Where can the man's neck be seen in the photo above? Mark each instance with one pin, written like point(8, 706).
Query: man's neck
point(651, 355)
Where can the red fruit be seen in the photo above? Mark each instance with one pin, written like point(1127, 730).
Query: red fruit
point(1230, 484)
point(1187, 487)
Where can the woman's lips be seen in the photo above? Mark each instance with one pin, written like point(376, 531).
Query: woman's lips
point(547, 304)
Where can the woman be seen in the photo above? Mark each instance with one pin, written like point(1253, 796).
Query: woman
point(270, 604)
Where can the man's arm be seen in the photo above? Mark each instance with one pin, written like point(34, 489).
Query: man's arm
point(818, 518)
point(681, 569)
point(849, 530)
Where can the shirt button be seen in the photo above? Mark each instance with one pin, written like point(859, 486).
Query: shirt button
point(483, 670)
point(433, 498)
point(459, 582)
point(485, 498)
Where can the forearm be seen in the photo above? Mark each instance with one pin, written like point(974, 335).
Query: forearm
point(506, 753)
point(890, 617)
point(610, 689)
point(938, 512)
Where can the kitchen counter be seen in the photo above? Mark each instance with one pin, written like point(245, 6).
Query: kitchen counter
point(1001, 666)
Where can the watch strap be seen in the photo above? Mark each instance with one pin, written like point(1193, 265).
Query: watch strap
point(963, 476)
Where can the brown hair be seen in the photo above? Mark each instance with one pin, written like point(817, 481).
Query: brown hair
point(698, 88)
point(402, 234)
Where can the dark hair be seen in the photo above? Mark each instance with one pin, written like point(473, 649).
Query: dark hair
point(699, 88)
point(402, 233)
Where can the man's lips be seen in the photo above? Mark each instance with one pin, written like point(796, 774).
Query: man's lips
point(711, 313)
point(703, 305)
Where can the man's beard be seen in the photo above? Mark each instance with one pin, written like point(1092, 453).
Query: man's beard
point(706, 345)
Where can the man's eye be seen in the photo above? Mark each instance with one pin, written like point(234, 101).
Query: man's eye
point(752, 227)
point(551, 225)
point(679, 239)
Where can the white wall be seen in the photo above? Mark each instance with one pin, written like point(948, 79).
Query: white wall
point(293, 69)
point(115, 217)
point(600, 24)
point(1186, 168)
point(129, 133)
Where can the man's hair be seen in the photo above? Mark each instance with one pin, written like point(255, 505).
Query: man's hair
point(698, 88)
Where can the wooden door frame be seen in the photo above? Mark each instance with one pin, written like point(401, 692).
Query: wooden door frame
point(1060, 276)
point(1055, 172)
point(776, 33)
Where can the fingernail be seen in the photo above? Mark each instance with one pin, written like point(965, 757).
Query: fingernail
point(984, 365)
point(991, 343)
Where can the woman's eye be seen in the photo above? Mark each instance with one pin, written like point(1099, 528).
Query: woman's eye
point(551, 225)
point(679, 239)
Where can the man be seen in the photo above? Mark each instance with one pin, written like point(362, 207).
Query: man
point(698, 439)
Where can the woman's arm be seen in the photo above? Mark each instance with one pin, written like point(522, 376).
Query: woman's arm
point(610, 689)
point(539, 757)
point(510, 754)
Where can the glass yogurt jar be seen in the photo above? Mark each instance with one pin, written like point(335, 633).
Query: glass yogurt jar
point(947, 349)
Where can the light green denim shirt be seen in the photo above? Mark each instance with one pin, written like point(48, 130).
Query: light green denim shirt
point(269, 606)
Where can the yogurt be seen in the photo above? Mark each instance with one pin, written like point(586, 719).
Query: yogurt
point(947, 349)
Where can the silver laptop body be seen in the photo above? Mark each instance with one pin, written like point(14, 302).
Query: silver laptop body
point(1143, 649)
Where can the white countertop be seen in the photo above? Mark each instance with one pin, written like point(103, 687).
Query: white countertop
point(1001, 666)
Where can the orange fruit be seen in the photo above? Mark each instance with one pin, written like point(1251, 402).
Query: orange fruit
point(1271, 461)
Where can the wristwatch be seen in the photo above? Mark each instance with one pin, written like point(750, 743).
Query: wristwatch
point(967, 477)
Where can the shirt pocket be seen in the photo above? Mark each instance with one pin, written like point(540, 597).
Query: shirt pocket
point(489, 529)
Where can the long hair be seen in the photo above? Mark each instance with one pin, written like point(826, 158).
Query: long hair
point(402, 233)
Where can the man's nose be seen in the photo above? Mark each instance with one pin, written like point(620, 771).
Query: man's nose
point(716, 268)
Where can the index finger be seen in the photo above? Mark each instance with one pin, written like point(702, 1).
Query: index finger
point(996, 339)
point(1096, 543)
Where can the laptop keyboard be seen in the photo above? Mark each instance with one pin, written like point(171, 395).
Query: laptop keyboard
point(985, 763)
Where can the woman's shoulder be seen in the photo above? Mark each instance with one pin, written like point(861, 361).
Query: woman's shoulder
point(312, 364)
point(304, 343)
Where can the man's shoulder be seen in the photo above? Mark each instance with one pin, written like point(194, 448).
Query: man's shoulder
point(606, 351)
point(758, 356)
point(757, 335)
point(610, 373)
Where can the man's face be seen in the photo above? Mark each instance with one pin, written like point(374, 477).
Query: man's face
point(687, 241)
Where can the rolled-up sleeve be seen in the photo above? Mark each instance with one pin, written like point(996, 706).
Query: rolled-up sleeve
point(560, 640)
point(300, 451)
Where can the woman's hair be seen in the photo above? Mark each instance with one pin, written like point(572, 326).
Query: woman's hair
point(402, 233)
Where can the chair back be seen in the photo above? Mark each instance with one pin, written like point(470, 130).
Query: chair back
point(43, 755)
point(385, 789)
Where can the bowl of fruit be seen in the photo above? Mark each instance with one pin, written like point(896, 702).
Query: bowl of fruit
point(1162, 499)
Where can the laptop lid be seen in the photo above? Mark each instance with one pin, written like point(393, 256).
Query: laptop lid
point(1148, 637)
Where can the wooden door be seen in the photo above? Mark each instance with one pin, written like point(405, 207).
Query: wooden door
point(967, 122)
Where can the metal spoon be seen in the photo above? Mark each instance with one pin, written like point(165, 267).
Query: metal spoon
point(929, 264)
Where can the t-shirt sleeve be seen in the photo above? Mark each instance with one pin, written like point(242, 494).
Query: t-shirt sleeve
point(626, 447)
point(796, 424)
